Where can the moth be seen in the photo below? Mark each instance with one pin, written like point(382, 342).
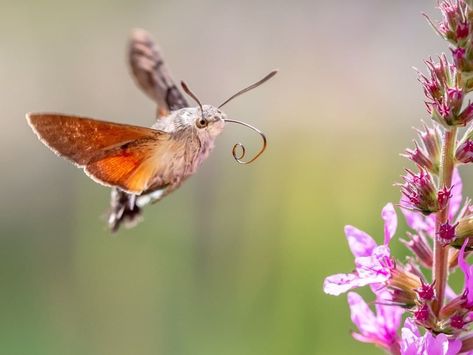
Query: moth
point(142, 165)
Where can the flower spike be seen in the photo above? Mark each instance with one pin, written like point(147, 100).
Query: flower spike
point(441, 231)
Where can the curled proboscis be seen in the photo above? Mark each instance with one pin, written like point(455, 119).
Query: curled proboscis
point(239, 150)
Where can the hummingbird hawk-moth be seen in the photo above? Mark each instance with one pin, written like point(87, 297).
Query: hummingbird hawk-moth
point(142, 165)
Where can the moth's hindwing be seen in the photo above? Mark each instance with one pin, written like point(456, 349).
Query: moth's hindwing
point(151, 73)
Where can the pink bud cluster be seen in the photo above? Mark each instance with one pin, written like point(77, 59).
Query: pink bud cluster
point(439, 321)
point(421, 193)
point(445, 94)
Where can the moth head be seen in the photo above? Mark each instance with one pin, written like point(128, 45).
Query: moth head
point(210, 120)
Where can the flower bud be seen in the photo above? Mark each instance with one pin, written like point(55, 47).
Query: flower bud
point(454, 26)
point(426, 154)
point(464, 152)
point(403, 285)
point(421, 248)
point(422, 313)
point(421, 194)
point(454, 98)
point(458, 55)
point(457, 321)
point(412, 267)
point(453, 258)
point(465, 116)
point(446, 233)
point(467, 342)
point(424, 316)
point(455, 305)
point(464, 228)
point(426, 292)
point(419, 156)
point(434, 85)
point(444, 94)
point(443, 196)
point(463, 30)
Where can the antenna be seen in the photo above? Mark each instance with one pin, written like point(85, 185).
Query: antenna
point(251, 87)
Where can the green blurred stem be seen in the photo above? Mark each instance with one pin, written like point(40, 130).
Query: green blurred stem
point(440, 267)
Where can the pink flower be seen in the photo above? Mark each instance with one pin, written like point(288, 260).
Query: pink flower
point(426, 292)
point(422, 313)
point(446, 233)
point(421, 193)
point(373, 263)
point(426, 224)
point(454, 26)
point(444, 95)
point(413, 343)
point(380, 328)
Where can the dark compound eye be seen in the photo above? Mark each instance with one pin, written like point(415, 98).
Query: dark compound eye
point(202, 122)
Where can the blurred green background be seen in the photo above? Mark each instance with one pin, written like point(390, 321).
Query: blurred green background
point(233, 262)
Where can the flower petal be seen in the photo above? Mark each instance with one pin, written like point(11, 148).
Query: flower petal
point(388, 315)
point(364, 339)
point(428, 344)
point(468, 273)
point(375, 268)
point(361, 244)
point(454, 346)
point(455, 201)
point(461, 258)
point(340, 283)
point(411, 325)
point(441, 345)
point(361, 315)
point(449, 293)
point(435, 345)
point(411, 343)
point(369, 274)
point(390, 222)
point(418, 221)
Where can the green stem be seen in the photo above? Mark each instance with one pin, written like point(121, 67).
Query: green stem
point(440, 267)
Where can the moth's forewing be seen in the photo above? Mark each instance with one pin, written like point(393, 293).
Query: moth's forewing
point(113, 154)
point(151, 73)
point(80, 139)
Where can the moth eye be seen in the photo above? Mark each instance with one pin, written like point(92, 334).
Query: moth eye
point(201, 123)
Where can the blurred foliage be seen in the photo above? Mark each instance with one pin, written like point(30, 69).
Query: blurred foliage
point(233, 262)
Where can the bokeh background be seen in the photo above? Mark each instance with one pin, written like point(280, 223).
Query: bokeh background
point(233, 262)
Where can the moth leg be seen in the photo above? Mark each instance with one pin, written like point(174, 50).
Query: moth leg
point(123, 209)
point(126, 208)
point(151, 197)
